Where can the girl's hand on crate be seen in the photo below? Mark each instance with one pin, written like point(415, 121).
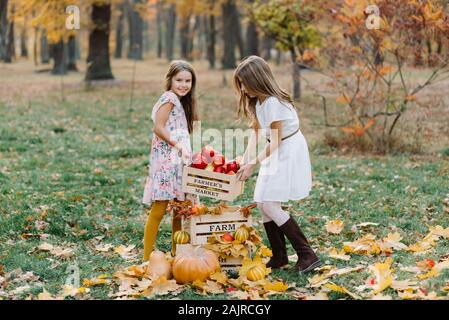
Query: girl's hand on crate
point(246, 171)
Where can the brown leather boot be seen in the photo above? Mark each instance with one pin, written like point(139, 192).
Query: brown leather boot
point(307, 259)
point(277, 243)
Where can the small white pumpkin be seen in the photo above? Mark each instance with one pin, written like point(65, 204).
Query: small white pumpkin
point(158, 265)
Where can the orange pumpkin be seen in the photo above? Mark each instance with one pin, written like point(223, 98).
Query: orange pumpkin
point(256, 273)
point(158, 265)
point(181, 237)
point(241, 234)
point(194, 263)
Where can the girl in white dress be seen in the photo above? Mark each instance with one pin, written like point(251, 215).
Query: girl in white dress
point(285, 170)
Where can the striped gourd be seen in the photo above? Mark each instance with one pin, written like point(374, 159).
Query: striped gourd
point(256, 273)
point(181, 237)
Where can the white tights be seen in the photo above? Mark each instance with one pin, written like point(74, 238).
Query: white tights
point(272, 211)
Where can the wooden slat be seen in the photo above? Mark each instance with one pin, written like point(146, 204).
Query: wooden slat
point(222, 186)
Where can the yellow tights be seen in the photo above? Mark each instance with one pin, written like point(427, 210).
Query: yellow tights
point(155, 216)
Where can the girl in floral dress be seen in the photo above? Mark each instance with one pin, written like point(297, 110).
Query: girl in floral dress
point(173, 116)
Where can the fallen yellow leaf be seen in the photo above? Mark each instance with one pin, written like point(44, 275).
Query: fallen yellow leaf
point(334, 226)
point(333, 287)
point(277, 286)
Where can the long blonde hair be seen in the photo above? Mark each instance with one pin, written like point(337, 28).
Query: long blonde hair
point(189, 100)
point(256, 75)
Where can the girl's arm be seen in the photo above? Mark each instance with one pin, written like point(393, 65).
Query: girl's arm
point(159, 129)
point(269, 149)
point(251, 149)
point(161, 120)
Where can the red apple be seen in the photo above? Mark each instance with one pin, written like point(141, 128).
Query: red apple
point(208, 152)
point(218, 160)
point(219, 169)
point(227, 237)
point(232, 166)
point(231, 173)
point(198, 161)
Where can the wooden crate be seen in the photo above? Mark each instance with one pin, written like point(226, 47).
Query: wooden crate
point(202, 227)
point(211, 184)
point(230, 263)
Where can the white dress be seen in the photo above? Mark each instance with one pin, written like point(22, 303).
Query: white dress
point(286, 174)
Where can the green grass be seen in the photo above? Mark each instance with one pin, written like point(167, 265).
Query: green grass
point(86, 160)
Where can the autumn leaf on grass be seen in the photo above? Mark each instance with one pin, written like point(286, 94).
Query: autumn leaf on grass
point(333, 253)
point(94, 282)
point(69, 290)
point(104, 247)
point(219, 277)
point(328, 272)
point(208, 287)
point(435, 271)
point(392, 241)
point(440, 231)
point(319, 296)
point(383, 275)
point(432, 273)
point(333, 287)
point(246, 295)
point(277, 286)
point(59, 252)
point(425, 244)
point(404, 284)
point(45, 295)
point(126, 252)
point(365, 245)
point(334, 226)
point(162, 286)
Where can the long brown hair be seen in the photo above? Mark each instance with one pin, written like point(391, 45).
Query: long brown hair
point(256, 75)
point(189, 100)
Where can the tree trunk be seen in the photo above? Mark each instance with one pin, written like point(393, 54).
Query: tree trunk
point(267, 45)
point(429, 52)
point(119, 33)
point(439, 46)
point(238, 32)
point(135, 23)
point(170, 34)
point(184, 33)
point(3, 27)
point(160, 31)
point(10, 53)
point(98, 61)
point(59, 55)
point(418, 54)
point(45, 56)
point(252, 39)
point(71, 54)
point(229, 39)
point(24, 41)
point(35, 41)
point(146, 38)
point(191, 44)
point(378, 58)
point(296, 73)
point(209, 26)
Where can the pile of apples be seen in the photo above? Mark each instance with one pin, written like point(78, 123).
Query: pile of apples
point(211, 160)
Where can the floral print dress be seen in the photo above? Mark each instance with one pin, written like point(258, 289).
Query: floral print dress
point(164, 179)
